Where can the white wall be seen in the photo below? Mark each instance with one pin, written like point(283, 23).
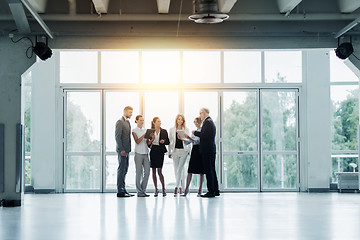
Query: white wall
point(318, 133)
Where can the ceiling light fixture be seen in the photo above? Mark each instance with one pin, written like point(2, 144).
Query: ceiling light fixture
point(208, 12)
point(344, 50)
point(42, 50)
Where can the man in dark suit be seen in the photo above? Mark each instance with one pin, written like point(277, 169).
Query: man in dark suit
point(123, 148)
point(208, 152)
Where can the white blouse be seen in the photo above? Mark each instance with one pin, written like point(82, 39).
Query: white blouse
point(157, 138)
point(142, 147)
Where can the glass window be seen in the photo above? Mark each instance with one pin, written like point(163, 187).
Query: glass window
point(83, 122)
point(345, 118)
point(242, 67)
point(111, 172)
point(194, 101)
point(115, 104)
point(201, 67)
point(240, 121)
point(161, 67)
point(278, 118)
point(279, 171)
point(78, 67)
point(283, 66)
point(120, 67)
point(82, 172)
point(27, 169)
point(112, 165)
point(241, 171)
point(339, 72)
point(164, 105)
point(27, 123)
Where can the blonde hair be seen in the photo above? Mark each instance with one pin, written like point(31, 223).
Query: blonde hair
point(128, 108)
point(183, 118)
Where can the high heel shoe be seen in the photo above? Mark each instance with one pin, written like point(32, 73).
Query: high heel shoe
point(180, 190)
point(175, 191)
point(164, 193)
point(156, 193)
point(185, 193)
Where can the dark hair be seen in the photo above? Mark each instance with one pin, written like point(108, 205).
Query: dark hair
point(137, 118)
point(153, 122)
point(128, 108)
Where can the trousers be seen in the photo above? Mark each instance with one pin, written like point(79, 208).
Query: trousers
point(142, 167)
point(122, 171)
point(179, 158)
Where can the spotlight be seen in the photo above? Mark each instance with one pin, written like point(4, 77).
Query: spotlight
point(42, 50)
point(344, 50)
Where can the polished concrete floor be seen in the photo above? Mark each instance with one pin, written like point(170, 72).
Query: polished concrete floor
point(231, 216)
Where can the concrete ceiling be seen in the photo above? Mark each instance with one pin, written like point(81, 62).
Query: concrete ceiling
point(162, 18)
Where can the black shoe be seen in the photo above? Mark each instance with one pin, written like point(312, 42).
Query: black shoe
point(122, 195)
point(130, 195)
point(217, 194)
point(208, 195)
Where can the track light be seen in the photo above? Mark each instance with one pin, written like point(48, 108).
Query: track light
point(344, 50)
point(42, 50)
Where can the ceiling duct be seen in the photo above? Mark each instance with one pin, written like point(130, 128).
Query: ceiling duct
point(208, 12)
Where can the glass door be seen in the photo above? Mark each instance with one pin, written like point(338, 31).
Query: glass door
point(193, 102)
point(164, 105)
point(114, 104)
point(82, 149)
point(240, 140)
point(279, 141)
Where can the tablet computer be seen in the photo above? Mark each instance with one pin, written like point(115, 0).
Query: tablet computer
point(181, 134)
point(148, 132)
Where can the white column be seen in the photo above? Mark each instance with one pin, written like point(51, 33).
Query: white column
point(43, 139)
point(318, 120)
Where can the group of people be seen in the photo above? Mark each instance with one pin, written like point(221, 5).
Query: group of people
point(150, 151)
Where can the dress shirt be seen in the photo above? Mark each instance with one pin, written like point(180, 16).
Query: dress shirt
point(195, 138)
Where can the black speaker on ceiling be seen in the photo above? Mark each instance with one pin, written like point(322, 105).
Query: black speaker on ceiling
point(344, 50)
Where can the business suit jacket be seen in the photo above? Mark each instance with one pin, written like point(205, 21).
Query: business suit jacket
point(207, 136)
point(163, 136)
point(122, 135)
point(172, 136)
